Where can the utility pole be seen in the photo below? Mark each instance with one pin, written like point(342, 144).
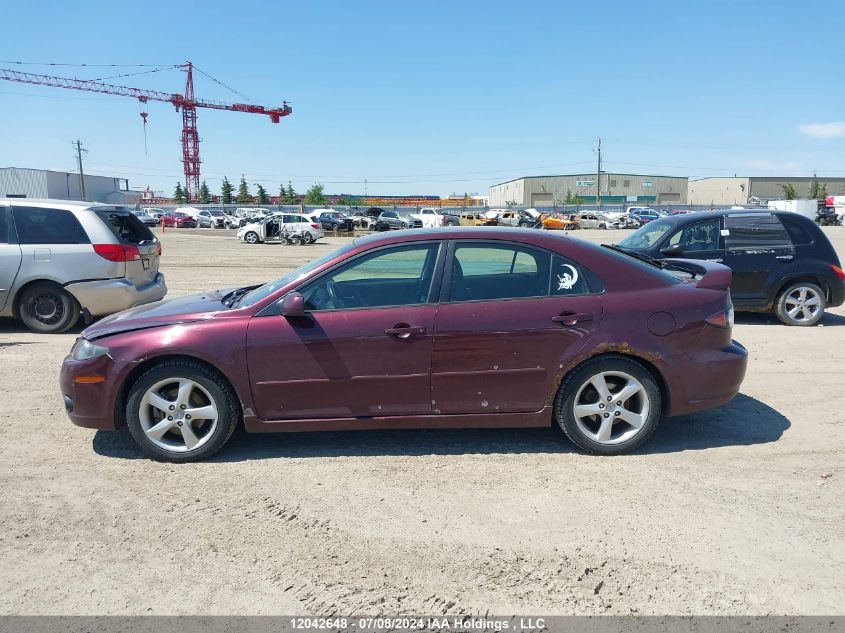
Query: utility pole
point(79, 149)
point(598, 175)
point(365, 187)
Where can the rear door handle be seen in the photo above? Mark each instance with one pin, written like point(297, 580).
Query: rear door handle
point(787, 257)
point(571, 318)
point(402, 330)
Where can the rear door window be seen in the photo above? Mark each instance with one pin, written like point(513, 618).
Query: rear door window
point(483, 272)
point(758, 231)
point(800, 236)
point(127, 228)
point(39, 225)
point(4, 225)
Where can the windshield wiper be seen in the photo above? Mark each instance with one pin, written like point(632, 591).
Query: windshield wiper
point(641, 256)
point(660, 263)
point(231, 299)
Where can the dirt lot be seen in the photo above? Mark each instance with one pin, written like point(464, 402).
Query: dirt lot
point(738, 510)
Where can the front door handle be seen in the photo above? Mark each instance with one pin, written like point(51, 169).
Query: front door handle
point(786, 257)
point(571, 318)
point(403, 330)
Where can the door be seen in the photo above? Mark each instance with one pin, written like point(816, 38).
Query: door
point(10, 256)
point(513, 317)
point(364, 347)
point(757, 246)
point(54, 246)
point(699, 240)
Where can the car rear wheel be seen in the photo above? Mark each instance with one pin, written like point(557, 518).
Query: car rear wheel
point(181, 411)
point(802, 303)
point(251, 237)
point(307, 238)
point(48, 308)
point(609, 405)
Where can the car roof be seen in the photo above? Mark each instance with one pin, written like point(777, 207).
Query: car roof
point(69, 205)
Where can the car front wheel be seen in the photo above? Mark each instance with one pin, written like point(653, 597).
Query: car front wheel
point(181, 411)
point(609, 405)
point(47, 308)
point(251, 237)
point(802, 303)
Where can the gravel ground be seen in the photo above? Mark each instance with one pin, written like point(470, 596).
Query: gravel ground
point(735, 511)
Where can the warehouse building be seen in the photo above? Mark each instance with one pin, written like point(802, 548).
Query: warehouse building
point(738, 190)
point(17, 182)
point(615, 189)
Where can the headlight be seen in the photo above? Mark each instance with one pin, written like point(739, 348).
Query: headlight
point(84, 349)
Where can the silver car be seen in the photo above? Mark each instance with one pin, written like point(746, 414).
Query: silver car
point(60, 260)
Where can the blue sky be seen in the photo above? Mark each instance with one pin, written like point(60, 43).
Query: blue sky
point(435, 97)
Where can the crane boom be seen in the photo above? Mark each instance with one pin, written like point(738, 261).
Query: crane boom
point(186, 102)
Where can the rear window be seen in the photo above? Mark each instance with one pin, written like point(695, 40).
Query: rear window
point(39, 225)
point(755, 232)
point(127, 228)
point(798, 233)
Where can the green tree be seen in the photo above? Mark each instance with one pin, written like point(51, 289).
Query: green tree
point(226, 191)
point(205, 195)
point(282, 195)
point(290, 195)
point(261, 195)
point(350, 201)
point(314, 196)
point(575, 200)
point(823, 191)
point(244, 196)
point(815, 188)
point(179, 194)
point(789, 192)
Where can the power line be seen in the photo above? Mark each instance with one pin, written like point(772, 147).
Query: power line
point(19, 63)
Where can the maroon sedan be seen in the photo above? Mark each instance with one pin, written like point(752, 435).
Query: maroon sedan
point(178, 220)
point(441, 328)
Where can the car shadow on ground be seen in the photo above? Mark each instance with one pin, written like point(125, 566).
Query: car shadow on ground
point(742, 422)
point(765, 318)
point(13, 326)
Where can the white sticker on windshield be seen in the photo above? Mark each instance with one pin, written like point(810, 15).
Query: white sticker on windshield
point(725, 232)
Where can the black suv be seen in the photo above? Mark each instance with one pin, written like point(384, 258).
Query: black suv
point(781, 261)
point(335, 221)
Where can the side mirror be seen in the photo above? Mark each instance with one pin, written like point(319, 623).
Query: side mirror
point(674, 250)
point(292, 305)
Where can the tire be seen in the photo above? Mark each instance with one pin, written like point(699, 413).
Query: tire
point(208, 390)
point(47, 308)
point(307, 238)
point(591, 432)
point(335, 227)
point(404, 225)
point(251, 237)
point(806, 302)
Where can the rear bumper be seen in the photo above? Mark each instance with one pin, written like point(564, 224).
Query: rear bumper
point(712, 378)
point(113, 295)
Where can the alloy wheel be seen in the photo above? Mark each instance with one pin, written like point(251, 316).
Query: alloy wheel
point(802, 304)
point(178, 414)
point(611, 407)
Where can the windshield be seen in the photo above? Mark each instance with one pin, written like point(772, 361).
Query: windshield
point(647, 235)
point(216, 213)
point(297, 273)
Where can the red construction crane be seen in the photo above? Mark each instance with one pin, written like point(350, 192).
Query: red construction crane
point(187, 103)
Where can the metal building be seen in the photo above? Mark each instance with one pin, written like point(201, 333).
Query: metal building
point(737, 190)
point(18, 182)
point(550, 191)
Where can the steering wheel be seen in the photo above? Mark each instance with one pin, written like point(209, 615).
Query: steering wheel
point(331, 290)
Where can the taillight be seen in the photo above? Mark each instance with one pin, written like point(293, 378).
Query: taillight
point(158, 248)
point(315, 226)
point(117, 252)
point(724, 319)
point(838, 271)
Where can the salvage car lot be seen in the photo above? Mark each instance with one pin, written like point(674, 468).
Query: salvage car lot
point(429, 521)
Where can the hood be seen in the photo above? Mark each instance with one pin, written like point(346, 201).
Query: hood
point(182, 310)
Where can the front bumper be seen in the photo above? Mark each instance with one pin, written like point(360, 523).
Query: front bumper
point(108, 296)
point(712, 378)
point(90, 405)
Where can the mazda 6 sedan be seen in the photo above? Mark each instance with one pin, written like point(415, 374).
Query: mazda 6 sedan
point(427, 328)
